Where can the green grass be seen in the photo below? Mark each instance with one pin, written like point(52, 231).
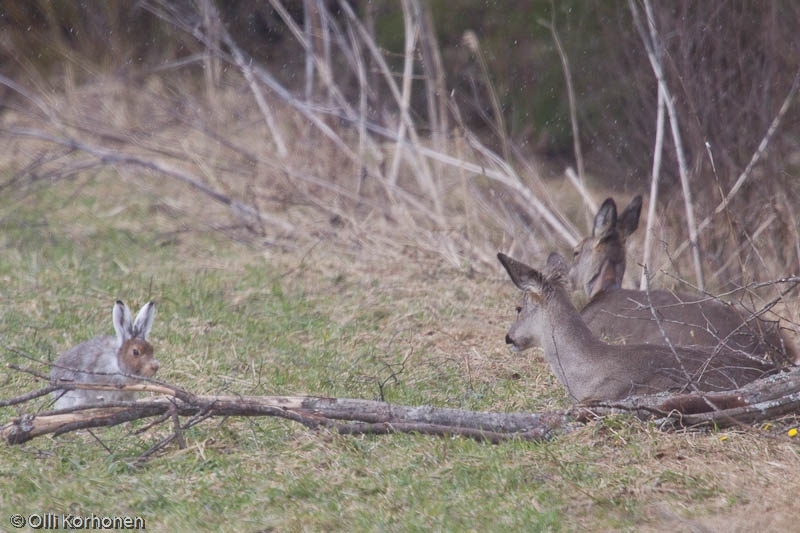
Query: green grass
point(231, 319)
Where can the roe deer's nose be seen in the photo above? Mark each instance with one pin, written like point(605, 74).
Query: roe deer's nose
point(508, 340)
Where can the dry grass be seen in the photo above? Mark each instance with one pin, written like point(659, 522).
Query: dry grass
point(313, 319)
point(321, 273)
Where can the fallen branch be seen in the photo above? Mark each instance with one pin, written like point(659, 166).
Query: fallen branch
point(347, 416)
point(756, 402)
point(759, 401)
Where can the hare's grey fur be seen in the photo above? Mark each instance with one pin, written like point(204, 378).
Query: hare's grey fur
point(108, 360)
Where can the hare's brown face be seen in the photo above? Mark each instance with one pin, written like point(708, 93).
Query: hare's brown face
point(136, 357)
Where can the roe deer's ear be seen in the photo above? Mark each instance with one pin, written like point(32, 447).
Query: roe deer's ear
point(628, 220)
point(122, 321)
point(523, 276)
point(556, 266)
point(605, 221)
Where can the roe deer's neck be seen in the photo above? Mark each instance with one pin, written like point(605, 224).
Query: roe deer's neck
point(573, 353)
point(564, 330)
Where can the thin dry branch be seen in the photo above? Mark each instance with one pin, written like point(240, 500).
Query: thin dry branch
point(46, 109)
point(422, 169)
point(433, 69)
point(322, 66)
point(573, 114)
point(113, 157)
point(411, 33)
point(655, 177)
point(580, 186)
point(651, 41)
point(247, 72)
point(756, 157)
point(470, 39)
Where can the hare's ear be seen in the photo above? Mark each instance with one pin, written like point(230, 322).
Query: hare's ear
point(144, 321)
point(122, 321)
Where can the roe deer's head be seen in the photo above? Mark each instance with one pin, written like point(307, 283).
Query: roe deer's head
point(536, 287)
point(599, 260)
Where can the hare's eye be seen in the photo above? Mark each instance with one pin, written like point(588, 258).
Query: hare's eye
point(519, 309)
point(136, 352)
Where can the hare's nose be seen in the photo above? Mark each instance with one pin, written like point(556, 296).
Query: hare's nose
point(155, 364)
point(508, 340)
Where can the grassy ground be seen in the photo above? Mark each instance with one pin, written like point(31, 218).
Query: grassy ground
point(322, 321)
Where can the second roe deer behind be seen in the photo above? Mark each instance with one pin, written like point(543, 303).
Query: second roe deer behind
point(623, 315)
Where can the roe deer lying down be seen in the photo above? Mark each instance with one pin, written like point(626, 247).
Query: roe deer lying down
point(622, 315)
point(593, 370)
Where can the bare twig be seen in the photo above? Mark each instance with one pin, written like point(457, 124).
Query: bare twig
point(579, 185)
point(691, 381)
point(411, 33)
point(322, 67)
point(434, 74)
point(470, 39)
point(573, 112)
point(112, 157)
point(266, 111)
point(46, 110)
point(654, 179)
point(756, 157)
point(308, 33)
point(652, 42)
point(29, 396)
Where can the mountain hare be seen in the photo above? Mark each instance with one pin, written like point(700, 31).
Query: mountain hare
point(108, 360)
